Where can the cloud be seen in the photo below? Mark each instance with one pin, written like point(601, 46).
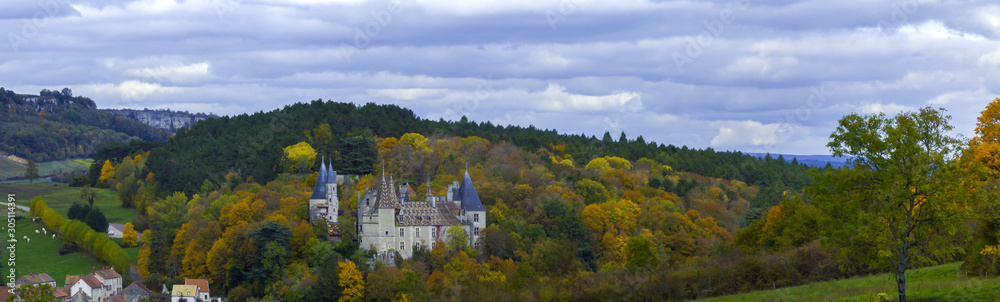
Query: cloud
point(36, 9)
point(555, 98)
point(176, 74)
point(745, 133)
point(579, 66)
point(889, 109)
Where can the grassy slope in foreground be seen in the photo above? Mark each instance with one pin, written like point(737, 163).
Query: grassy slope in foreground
point(42, 255)
point(60, 197)
point(937, 283)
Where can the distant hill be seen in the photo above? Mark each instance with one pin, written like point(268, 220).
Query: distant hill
point(55, 125)
point(251, 145)
point(163, 119)
point(809, 160)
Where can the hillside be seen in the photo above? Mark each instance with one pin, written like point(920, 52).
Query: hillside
point(56, 125)
point(251, 145)
point(162, 119)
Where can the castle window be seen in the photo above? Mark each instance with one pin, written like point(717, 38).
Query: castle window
point(475, 217)
point(417, 233)
point(401, 246)
point(401, 234)
point(476, 232)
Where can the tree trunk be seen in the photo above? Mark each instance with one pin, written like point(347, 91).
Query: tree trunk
point(901, 282)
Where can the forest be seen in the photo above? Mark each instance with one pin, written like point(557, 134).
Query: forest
point(251, 145)
point(56, 125)
point(569, 217)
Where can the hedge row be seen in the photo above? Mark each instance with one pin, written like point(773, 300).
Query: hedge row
point(98, 243)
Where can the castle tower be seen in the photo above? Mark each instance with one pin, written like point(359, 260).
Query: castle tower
point(317, 201)
point(332, 202)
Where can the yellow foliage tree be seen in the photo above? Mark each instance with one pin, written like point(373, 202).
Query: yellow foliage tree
point(599, 164)
point(129, 236)
point(415, 140)
point(107, 171)
point(387, 144)
point(351, 281)
point(985, 146)
point(299, 157)
point(619, 162)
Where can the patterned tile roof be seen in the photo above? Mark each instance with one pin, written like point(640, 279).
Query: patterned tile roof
point(386, 195)
point(422, 213)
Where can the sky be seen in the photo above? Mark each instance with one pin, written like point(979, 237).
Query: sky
point(754, 76)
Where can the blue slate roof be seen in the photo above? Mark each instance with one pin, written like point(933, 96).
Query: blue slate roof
point(467, 194)
point(319, 190)
point(331, 175)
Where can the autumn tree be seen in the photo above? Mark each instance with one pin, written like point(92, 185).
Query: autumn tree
point(985, 146)
point(984, 151)
point(107, 172)
point(31, 172)
point(129, 236)
point(351, 281)
point(900, 191)
point(299, 157)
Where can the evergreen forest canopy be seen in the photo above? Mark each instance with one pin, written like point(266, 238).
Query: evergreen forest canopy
point(251, 145)
point(56, 125)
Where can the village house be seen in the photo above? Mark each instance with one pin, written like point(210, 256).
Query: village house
point(35, 279)
point(98, 285)
point(202, 284)
point(184, 293)
point(135, 291)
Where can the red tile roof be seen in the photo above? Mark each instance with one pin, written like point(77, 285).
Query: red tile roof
point(71, 279)
point(201, 283)
point(62, 292)
point(4, 293)
point(108, 273)
point(92, 281)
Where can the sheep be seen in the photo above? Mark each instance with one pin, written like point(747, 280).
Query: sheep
point(25, 237)
point(53, 236)
point(45, 231)
point(36, 231)
point(29, 239)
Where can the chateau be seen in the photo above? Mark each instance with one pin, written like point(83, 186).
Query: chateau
point(390, 221)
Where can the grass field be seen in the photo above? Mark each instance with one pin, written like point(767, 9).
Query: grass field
point(42, 254)
point(11, 169)
point(937, 283)
point(60, 197)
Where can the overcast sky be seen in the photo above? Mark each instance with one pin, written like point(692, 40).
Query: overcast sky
point(753, 76)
